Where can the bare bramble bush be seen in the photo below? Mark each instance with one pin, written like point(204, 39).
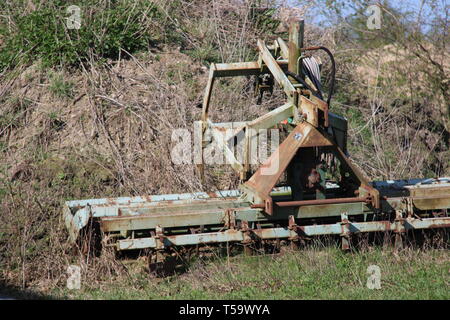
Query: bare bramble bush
point(393, 88)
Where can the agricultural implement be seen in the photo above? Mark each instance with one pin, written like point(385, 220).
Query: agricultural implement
point(307, 187)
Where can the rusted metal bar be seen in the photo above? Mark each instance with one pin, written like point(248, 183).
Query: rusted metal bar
point(313, 202)
point(242, 68)
point(321, 201)
point(233, 235)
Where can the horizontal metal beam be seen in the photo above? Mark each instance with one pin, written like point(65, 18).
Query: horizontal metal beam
point(174, 198)
point(149, 219)
point(233, 235)
point(319, 201)
point(243, 68)
point(273, 117)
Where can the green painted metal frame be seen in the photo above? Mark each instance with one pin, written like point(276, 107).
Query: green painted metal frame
point(233, 235)
point(232, 217)
point(163, 221)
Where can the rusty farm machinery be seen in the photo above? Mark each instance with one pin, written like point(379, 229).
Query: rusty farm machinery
point(321, 191)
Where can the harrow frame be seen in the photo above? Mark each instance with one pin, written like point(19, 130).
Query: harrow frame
point(260, 209)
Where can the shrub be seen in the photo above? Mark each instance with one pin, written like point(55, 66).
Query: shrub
point(107, 27)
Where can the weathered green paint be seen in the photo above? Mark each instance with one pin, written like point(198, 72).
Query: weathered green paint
point(233, 235)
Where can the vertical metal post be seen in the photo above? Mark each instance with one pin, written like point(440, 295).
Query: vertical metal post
point(296, 34)
point(345, 235)
point(399, 230)
point(292, 225)
point(247, 239)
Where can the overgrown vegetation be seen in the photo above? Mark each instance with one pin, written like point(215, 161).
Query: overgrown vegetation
point(106, 29)
point(89, 113)
point(400, 87)
point(48, 31)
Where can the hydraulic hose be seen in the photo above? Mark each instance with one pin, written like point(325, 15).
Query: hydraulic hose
point(333, 69)
point(303, 82)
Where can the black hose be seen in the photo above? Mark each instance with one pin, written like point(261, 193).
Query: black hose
point(303, 82)
point(310, 74)
point(333, 68)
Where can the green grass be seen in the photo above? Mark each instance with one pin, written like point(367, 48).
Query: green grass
point(106, 28)
point(308, 274)
point(60, 88)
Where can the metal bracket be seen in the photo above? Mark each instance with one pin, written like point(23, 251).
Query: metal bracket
point(345, 235)
point(292, 225)
point(159, 238)
point(230, 218)
point(399, 230)
point(246, 232)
